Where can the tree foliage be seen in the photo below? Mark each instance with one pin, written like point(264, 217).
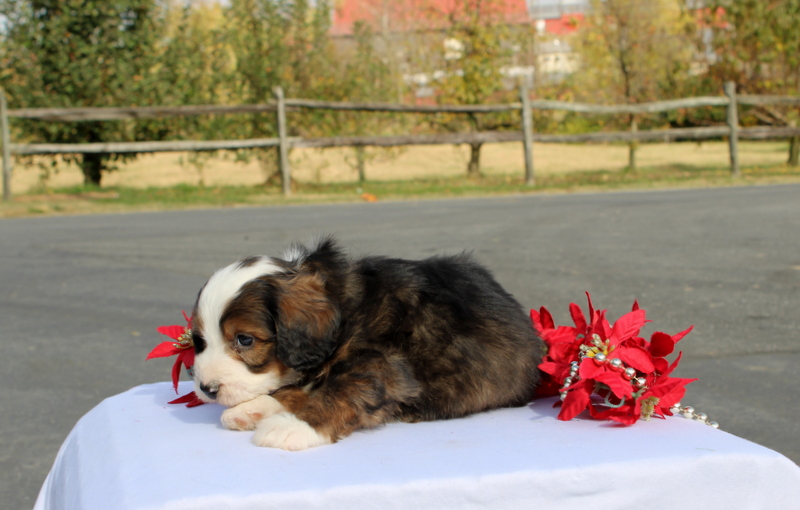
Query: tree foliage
point(756, 43)
point(633, 51)
point(69, 53)
point(476, 47)
point(72, 53)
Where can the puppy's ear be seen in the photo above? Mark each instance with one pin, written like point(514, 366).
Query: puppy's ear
point(307, 322)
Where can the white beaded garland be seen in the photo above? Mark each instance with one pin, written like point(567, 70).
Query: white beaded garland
point(629, 373)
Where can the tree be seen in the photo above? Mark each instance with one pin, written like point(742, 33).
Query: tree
point(76, 53)
point(195, 66)
point(633, 51)
point(756, 44)
point(280, 43)
point(475, 48)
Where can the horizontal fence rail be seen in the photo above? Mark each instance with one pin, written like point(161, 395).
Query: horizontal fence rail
point(655, 135)
point(281, 105)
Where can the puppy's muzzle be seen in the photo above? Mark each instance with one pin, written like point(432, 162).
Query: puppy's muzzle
point(210, 390)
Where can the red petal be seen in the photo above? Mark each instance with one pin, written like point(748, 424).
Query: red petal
point(575, 402)
point(184, 399)
point(637, 358)
point(589, 368)
point(625, 414)
point(173, 332)
point(194, 403)
point(190, 399)
point(578, 318)
point(669, 385)
point(660, 365)
point(600, 325)
point(670, 399)
point(188, 319)
point(661, 344)
point(536, 321)
point(635, 305)
point(673, 366)
point(591, 307)
point(163, 350)
point(561, 345)
point(176, 374)
point(186, 356)
point(547, 319)
point(552, 368)
point(542, 320)
point(677, 338)
point(623, 418)
point(548, 388)
point(619, 386)
point(628, 325)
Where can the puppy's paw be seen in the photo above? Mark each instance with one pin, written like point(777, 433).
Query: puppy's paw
point(287, 431)
point(246, 415)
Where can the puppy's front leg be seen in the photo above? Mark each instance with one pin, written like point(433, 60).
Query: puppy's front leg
point(246, 415)
point(366, 391)
point(288, 432)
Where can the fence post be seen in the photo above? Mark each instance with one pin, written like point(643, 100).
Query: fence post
point(6, 139)
point(361, 163)
point(633, 146)
point(733, 125)
point(527, 133)
point(283, 147)
point(794, 147)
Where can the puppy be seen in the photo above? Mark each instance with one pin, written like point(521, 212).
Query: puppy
point(307, 349)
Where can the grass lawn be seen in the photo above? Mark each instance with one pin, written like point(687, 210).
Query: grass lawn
point(169, 181)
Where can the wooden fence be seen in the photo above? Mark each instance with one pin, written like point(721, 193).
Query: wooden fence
point(526, 134)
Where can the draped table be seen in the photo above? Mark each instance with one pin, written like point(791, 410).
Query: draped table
point(134, 451)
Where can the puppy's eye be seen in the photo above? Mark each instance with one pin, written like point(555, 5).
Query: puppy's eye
point(244, 340)
point(199, 343)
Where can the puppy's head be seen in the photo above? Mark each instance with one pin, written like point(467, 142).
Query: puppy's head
point(257, 325)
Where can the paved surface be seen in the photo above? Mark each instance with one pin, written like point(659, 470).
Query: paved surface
point(81, 296)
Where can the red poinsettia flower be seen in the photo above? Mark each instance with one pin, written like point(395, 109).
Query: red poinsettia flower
point(609, 370)
point(190, 399)
point(183, 346)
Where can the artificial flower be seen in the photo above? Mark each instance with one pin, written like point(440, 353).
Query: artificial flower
point(608, 370)
point(183, 346)
point(190, 399)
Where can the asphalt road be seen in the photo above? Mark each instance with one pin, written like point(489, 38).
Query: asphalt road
point(81, 296)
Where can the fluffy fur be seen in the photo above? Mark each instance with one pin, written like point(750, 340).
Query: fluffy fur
point(308, 349)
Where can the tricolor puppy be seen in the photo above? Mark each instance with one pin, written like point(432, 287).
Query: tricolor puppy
point(305, 350)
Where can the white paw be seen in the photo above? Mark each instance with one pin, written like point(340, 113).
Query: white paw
point(286, 431)
point(246, 415)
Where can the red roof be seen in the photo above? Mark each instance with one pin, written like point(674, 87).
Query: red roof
point(401, 15)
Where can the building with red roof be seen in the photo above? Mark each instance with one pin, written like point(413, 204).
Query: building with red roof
point(556, 17)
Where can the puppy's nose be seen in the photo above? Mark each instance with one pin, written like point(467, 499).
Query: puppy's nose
point(210, 390)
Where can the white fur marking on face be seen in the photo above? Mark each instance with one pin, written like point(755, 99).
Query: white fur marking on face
point(288, 432)
point(226, 284)
point(214, 364)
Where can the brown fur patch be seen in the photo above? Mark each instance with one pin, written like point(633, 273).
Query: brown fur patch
point(304, 301)
point(354, 400)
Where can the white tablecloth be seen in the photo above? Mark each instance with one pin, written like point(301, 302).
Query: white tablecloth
point(133, 451)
